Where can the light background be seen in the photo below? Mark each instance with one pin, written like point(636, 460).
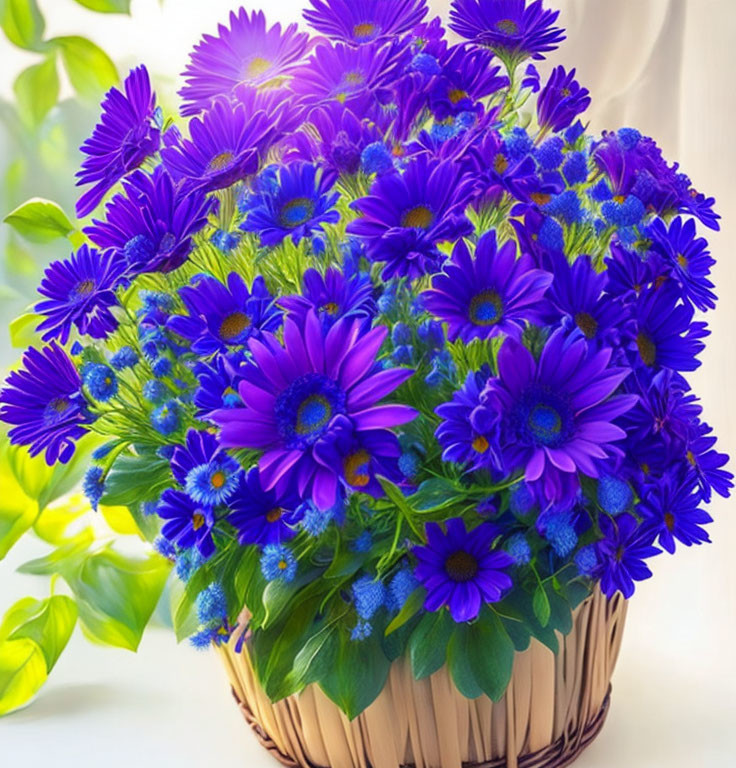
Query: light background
point(665, 66)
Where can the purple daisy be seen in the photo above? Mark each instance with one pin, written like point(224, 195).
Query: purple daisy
point(556, 415)
point(357, 22)
point(125, 136)
point(207, 474)
point(298, 394)
point(406, 215)
point(561, 100)
point(666, 336)
point(150, 227)
point(80, 291)
point(245, 52)
point(187, 524)
point(261, 516)
point(44, 403)
point(299, 203)
point(671, 511)
point(459, 569)
point(224, 316)
point(332, 296)
point(511, 28)
point(707, 463)
point(621, 554)
point(688, 258)
point(489, 294)
point(465, 432)
point(217, 383)
point(227, 145)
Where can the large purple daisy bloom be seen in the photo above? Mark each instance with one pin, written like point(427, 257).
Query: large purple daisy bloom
point(187, 524)
point(332, 296)
point(298, 205)
point(44, 403)
point(261, 516)
point(688, 258)
point(298, 394)
point(362, 21)
point(489, 294)
point(80, 292)
point(226, 146)
point(207, 474)
point(556, 415)
point(621, 554)
point(245, 52)
point(150, 227)
point(459, 569)
point(406, 215)
point(511, 28)
point(561, 100)
point(125, 136)
point(224, 316)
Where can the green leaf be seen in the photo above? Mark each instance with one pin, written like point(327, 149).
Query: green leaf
point(116, 595)
point(23, 330)
point(411, 607)
point(518, 632)
point(23, 23)
point(37, 90)
point(49, 623)
point(315, 660)
point(458, 660)
point(40, 221)
point(52, 523)
point(541, 606)
point(434, 494)
point(280, 594)
point(90, 69)
point(64, 560)
point(18, 510)
point(134, 479)
point(428, 643)
point(491, 654)
point(22, 673)
point(182, 606)
point(106, 6)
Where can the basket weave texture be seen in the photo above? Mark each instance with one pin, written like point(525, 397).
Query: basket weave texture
point(554, 707)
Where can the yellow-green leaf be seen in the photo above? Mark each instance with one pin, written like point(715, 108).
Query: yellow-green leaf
point(22, 673)
point(22, 23)
point(18, 511)
point(121, 521)
point(37, 90)
point(40, 221)
point(52, 523)
point(106, 6)
point(90, 69)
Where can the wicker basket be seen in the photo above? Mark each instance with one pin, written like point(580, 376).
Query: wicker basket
point(554, 707)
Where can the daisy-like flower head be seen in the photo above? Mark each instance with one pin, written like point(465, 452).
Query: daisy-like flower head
point(514, 29)
point(245, 52)
point(226, 145)
point(44, 403)
point(459, 569)
point(80, 291)
point(150, 227)
point(187, 523)
point(406, 215)
point(358, 22)
point(332, 296)
point(297, 395)
point(561, 100)
point(264, 517)
point(707, 463)
point(220, 317)
point(125, 136)
point(299, 204)
point(217, 383)
point(208, 475)
point(556, 416)
point(487, 294)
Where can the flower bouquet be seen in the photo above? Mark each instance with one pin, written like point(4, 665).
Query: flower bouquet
point(388, 356)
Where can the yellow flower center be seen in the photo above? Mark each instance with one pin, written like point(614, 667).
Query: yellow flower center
point(419, 217)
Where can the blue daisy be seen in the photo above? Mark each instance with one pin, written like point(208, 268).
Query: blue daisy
point(186, 523)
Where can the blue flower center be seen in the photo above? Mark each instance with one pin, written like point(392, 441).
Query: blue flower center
point(507, 27)
point(55, 411)
point(543, 419)
point(305, 409)
point(486, 308)
point(82, 290)
point(139, 250)
point(366, 31)
point(461, 566)
point(233, 326)
point(296, 212)
point(356, 468)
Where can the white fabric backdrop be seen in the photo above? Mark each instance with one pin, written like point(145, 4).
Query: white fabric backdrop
point(664, 66)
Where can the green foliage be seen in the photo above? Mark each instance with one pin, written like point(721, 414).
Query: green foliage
point(40, 221)
point(37, 90)
point(22, 673)
point(91, 71)
point(23, 23)
point(23, 330)
point(428, 643)
point(106, 6)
